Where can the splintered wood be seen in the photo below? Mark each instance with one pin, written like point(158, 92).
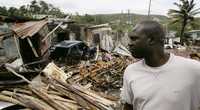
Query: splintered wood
point(73, 90)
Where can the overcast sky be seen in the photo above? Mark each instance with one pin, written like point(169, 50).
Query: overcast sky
point(104, 6)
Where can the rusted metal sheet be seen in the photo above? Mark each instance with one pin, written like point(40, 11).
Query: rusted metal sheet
point(28, 29)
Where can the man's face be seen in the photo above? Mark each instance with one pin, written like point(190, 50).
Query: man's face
point(138, 42)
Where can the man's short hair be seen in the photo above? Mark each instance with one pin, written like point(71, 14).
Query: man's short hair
point(153, 29)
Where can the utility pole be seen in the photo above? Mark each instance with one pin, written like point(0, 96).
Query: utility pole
point(149, 8)
point(128, 17)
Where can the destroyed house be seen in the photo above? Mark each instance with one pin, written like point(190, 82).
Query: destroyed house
point(194, 35)
point(61, 29)
point(100, 35)
point(31, 40)
point(76, 31)
point(7, 45)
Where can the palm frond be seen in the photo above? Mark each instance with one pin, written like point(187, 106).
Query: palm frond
point(175, 21)
point(178, 5)
point(191, 7)
point(174, 11)
point(194, 25)
point(198, 9)
point(192, 2)
point(195, 12)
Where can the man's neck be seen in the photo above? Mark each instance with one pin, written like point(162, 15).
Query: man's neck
point(157, 59)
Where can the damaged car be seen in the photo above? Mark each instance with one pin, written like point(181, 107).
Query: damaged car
point(71, 51)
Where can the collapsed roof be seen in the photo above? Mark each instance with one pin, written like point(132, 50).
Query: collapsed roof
point(28, 29)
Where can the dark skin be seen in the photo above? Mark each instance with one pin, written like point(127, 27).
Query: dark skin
point(127, 107)
point(149, 48)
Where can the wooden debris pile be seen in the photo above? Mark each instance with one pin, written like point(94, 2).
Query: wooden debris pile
point(48, 92)
point(102, 76)
point(78, 87)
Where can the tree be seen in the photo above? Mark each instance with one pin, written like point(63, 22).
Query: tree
point(100, 19)
point(34, 7)
point(56, 12)
point(3, 11)
point(12, 11)
point(88, 18)
point(184, 15)
point(44, 7)
point(23, 10)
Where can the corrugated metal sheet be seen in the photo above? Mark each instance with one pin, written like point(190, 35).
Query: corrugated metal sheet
point(1, 38)
point(28, 29)
point(100, 30)
point(99, 26)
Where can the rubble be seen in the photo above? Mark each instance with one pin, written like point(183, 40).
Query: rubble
point(87, 87)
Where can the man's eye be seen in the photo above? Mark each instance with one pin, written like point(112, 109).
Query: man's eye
point(133, 38)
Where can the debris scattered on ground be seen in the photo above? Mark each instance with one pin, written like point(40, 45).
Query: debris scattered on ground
point(87, 87)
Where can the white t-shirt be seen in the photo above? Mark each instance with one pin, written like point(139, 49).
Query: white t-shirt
point(172, 86)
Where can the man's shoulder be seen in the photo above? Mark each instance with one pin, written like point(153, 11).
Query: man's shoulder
point(187, 61)
point(132, 68)
point(134, 65)
point(184, 59)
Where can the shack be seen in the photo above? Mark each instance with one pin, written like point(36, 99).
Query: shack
point(7, 45)
point(29, 39)
point(100, 35)
point(194, 36)
point(61, 27)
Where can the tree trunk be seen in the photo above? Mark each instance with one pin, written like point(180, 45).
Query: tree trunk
point(184, 23)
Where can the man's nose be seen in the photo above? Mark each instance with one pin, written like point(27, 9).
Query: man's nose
point(131, 43)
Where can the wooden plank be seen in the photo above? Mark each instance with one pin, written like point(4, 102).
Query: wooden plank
point(52, 31)
point(73, 96)
point(10, 99)
point(15, 39)
point(48, 99)
point(32, 47)
point(90, 102)
point(15, 73)
point(27, 100)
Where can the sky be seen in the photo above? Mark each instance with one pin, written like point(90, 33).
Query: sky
point(105, 6)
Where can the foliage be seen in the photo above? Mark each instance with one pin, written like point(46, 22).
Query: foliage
point(34, 8)
point(88, 19)
point(184, 16)
point(3, 10)
point(118, 21)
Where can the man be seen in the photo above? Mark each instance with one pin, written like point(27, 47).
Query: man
point(159, 81)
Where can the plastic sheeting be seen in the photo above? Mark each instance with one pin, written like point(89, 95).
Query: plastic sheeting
point(120, 49)
point(106, 43)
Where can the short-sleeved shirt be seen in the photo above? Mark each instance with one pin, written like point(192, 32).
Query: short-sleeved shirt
point(172, 86)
